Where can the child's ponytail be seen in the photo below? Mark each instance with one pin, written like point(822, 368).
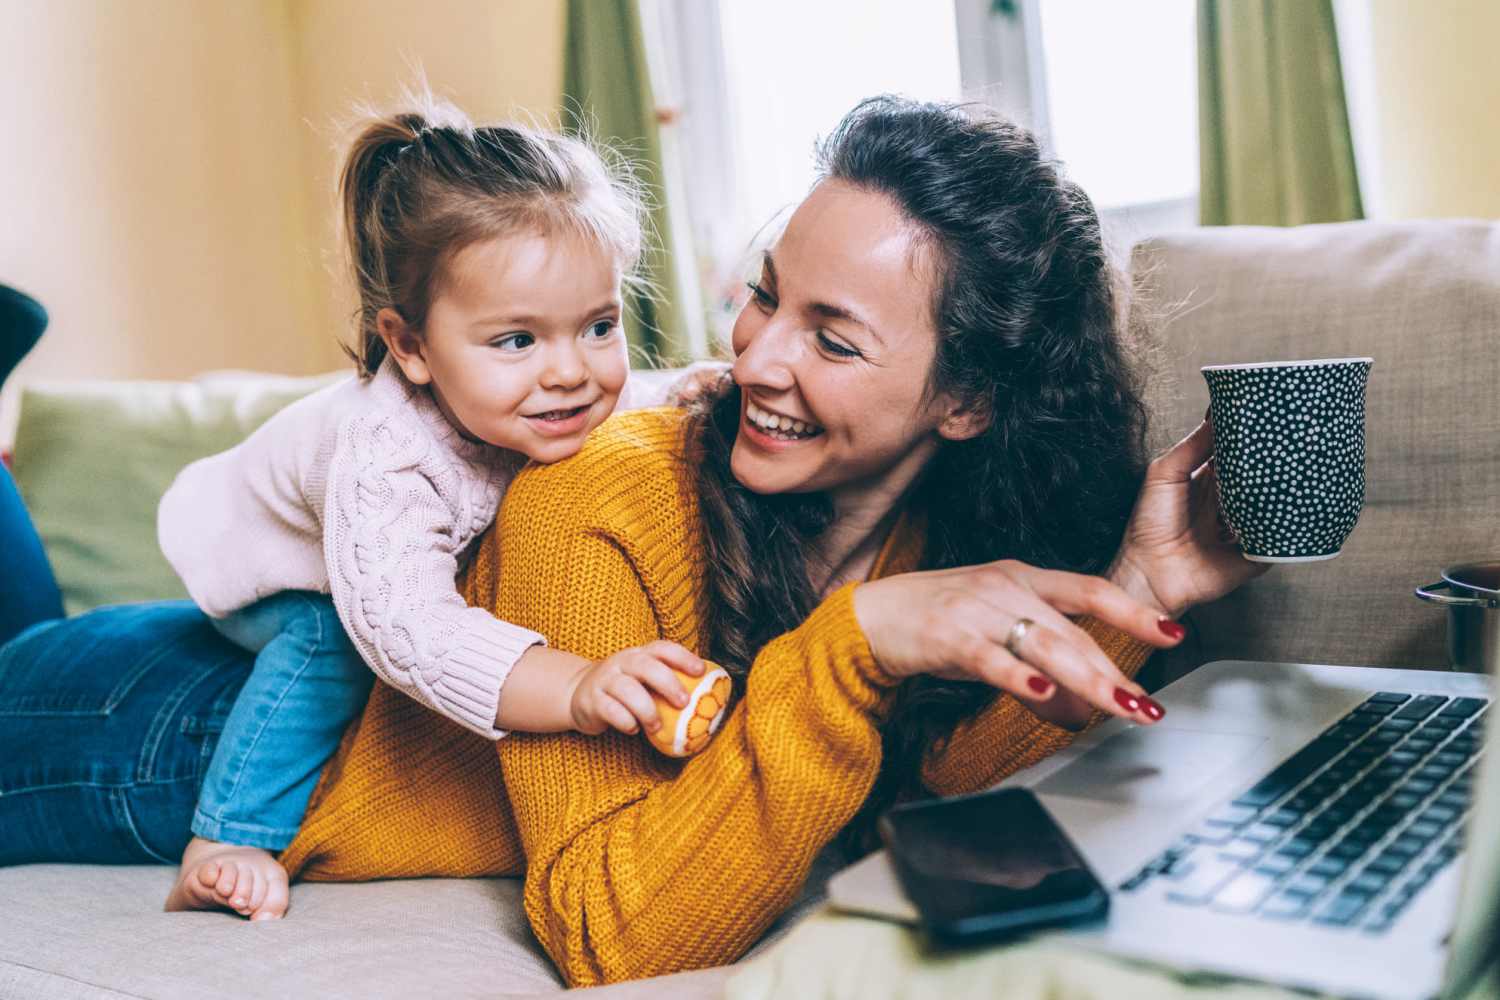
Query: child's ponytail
point(370, 156)
point(419, 186)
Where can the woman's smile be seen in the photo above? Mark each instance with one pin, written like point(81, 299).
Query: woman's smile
point(771, 426)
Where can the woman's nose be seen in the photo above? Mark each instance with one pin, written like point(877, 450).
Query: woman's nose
point(768, 358)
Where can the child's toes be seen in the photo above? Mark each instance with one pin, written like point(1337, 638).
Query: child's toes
point(258, 894)
point(243, 899)
point(278, 895)
point(275, 903)
point(229, 879)
point(208, 874)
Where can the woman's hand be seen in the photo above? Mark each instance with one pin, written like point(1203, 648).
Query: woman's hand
point(1177, 552)
point(956, 624)
point(616, 691)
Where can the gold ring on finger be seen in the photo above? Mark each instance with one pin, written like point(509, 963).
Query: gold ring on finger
point(1017, 635)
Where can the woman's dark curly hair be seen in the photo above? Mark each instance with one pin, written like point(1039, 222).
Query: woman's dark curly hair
point(1025, 305)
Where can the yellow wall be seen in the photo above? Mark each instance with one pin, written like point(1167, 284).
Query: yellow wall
point(166, 181)
point(493, 59)
point(150, 185)
point(1437, 99)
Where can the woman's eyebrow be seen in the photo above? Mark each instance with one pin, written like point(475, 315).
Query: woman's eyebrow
point(839, 312)
point(769, 264)
point(828, 309)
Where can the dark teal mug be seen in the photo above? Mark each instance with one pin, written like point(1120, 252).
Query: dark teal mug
point(1289, 453)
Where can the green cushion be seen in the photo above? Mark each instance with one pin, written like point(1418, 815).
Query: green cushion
point(92, 460)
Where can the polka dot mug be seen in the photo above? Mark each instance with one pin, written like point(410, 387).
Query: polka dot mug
point(1289, 450)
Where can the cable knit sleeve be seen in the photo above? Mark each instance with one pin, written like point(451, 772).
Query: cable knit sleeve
point(392, 516)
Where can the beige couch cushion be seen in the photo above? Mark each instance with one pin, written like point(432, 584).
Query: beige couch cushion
point(1423, 299)
point(94, 931)
point(86, 932)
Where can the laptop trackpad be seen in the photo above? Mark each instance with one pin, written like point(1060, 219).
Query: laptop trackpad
point(1150, 765)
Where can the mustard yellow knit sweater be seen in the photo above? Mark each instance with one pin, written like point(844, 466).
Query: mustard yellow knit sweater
point(636, 864)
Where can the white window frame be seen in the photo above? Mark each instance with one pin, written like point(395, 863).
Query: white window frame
point(673, 31)
point(1001, 64)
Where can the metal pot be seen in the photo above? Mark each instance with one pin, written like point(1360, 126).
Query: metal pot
point(1473, 603)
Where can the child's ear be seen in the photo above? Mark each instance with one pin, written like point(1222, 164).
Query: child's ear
point(404, 344)
point(963, 421)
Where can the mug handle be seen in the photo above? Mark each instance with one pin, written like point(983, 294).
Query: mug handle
point(1426, 594)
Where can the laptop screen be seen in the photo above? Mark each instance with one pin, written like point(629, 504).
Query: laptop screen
point(1475, 945)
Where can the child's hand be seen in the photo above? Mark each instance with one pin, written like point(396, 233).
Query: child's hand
point(613, 693)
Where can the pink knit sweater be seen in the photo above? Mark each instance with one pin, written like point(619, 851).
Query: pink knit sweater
point(364, 491)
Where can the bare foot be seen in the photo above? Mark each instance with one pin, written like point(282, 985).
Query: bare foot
point(243, 880)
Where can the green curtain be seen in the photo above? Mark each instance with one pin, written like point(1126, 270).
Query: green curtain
point(607, 91)
point(1273, 127)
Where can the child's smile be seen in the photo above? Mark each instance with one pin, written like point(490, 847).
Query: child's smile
point(522, 345)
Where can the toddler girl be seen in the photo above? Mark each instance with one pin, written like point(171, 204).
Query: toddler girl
point(489, 263)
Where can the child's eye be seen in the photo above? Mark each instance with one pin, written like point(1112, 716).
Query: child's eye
point(513, 342)
point(603, 329)
point(762, 298)
point(835, 348)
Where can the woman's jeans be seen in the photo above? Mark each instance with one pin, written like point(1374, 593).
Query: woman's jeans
point(28, 591)
point(127, 729)
point(308, 684)
point(107, 724)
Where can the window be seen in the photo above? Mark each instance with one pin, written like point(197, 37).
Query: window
point(751, 87)
point(748, 88)
point(1112, 90)
point(789, 87)
point(1122, 97)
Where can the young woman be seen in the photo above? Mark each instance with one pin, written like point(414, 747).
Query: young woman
point(925, 465)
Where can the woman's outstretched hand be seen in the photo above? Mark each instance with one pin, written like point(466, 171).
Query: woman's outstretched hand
point(960, 624)
point(1177, 552)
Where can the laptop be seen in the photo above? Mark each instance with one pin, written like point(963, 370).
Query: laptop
point(1300, 824)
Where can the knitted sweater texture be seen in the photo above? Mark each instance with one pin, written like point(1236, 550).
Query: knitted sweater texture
point(363, 491)
point(636, 864)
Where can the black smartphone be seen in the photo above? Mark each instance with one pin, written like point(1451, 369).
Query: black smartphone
point(988, 866)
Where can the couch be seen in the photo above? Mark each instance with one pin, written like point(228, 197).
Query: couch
point(1422, 298)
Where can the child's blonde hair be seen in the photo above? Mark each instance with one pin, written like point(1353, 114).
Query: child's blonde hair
point(421, 185)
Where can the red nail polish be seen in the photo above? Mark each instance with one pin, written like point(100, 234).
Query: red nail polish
point(1126, 700)
point(1038, 684)
point(1153, 710)
point(1172, 630)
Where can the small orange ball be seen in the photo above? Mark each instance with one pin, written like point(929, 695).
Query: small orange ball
point(685, 731)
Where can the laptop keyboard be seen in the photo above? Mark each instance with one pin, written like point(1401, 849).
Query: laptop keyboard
point(1349, 830)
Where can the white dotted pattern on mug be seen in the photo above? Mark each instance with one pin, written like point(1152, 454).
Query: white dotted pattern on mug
point(1289, 448)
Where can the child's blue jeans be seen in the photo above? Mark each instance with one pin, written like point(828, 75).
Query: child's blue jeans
point(307, 685)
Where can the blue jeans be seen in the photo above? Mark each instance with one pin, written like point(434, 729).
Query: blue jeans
point(308, 684)
point(107, 724)
point(28, 591)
